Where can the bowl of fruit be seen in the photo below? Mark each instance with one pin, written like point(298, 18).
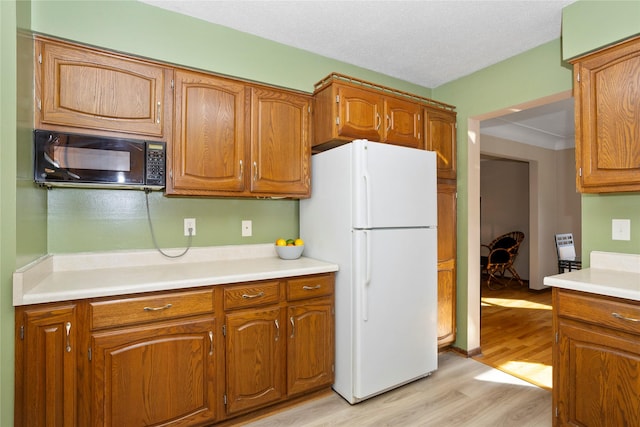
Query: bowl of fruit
point(289, 248)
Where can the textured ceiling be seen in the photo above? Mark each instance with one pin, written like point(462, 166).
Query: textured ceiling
point(426, 42)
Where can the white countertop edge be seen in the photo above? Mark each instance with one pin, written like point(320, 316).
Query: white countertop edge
point(55, 278)
point(593, 288)
point(127, 289)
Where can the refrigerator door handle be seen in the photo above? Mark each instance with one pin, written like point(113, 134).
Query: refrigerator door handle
point(367, 204)
point(367, 277)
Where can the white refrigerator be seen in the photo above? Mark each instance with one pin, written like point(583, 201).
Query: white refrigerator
point(373, 212)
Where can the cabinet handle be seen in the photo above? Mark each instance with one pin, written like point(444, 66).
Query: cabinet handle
point(67, 327)
point(277, 329)
point(621, 317)
point(388, 123)
point(241, 169)
point(311, 288)
point(210, 343)
point(293, 327)
point(164, 307)
point(379, 120)
point(255, 171)
point(158, 112)
point(258, 295)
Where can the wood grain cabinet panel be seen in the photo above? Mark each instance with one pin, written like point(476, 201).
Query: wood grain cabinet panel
point(360, 113)
point(46, 360)
point(447, 206)
point(255, 344)
point(208, 148)
point(280, 143)
point(310, 346)
point(403, 123)
point(440, 135)
point(607, 117)
point(348, 112)
point(596, 360)
point(79, 87)
point(151, 375)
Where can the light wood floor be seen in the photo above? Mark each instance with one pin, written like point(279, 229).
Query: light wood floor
point(516, 333)
point(461, 393)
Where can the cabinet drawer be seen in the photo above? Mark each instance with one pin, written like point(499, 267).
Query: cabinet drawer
point(309, 287)
point(614, 313)
point(150, 308)
point(251, 295)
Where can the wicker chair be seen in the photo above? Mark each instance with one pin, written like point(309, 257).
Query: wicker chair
point(503, 251)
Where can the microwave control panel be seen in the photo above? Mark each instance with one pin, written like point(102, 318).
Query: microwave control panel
point(155, 164)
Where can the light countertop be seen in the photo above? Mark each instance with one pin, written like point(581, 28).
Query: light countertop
point(610, 274)
point(89, 275)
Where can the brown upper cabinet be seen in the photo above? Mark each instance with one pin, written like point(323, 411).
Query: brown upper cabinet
point(225, 136)
point(347, 108)
point(235, 139)
point(208, 146)
point(79, 87)
point(440, 135)
point(280, 143)
point(607, 106)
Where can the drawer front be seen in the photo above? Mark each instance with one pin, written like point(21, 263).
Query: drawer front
point(150, 308)
point(614, 313)
point(309, 287)
point(251, 295)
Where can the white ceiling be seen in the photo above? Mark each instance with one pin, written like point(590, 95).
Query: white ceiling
point(426, 42)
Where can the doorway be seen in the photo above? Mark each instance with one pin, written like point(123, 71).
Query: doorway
point(545, 216)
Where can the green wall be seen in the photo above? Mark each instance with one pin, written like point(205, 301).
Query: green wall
point(589, 25)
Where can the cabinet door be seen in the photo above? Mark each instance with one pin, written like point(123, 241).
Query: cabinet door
point(255, 358)
point(596, 377)
point(403, 123)
point(154, 375)
point(280, 143)
point(310, 351)
point(360, 114)
point(88, 89)
point(208, 147)
point(46, 379)
point(446, 264)
point(440, 135)
point(607, 116)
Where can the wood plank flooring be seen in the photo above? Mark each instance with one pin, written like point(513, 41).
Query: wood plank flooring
point(461, 393)
point(516, 333)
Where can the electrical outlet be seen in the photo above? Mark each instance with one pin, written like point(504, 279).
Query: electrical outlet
point(246, 228)
point(189, 226)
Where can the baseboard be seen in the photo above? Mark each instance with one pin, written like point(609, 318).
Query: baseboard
point(466, 353)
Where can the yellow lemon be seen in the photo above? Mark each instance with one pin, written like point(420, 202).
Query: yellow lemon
point(281, 242)
point(299, 242)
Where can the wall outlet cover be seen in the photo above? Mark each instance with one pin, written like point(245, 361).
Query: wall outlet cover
point(621, 229)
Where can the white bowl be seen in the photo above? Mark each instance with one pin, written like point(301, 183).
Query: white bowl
point(289, 252)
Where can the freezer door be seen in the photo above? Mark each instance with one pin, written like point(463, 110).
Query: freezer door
point(395, 308)
point(393, 186)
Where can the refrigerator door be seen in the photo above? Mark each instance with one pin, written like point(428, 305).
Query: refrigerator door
point(395, 308)
point(393, 186)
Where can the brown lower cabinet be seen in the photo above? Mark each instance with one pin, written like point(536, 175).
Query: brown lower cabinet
point(176, 358)
point(596, 360)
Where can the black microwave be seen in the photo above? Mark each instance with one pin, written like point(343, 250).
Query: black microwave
point(66, 159)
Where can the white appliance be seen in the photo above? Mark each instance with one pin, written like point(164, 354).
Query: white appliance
point(373, 211)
